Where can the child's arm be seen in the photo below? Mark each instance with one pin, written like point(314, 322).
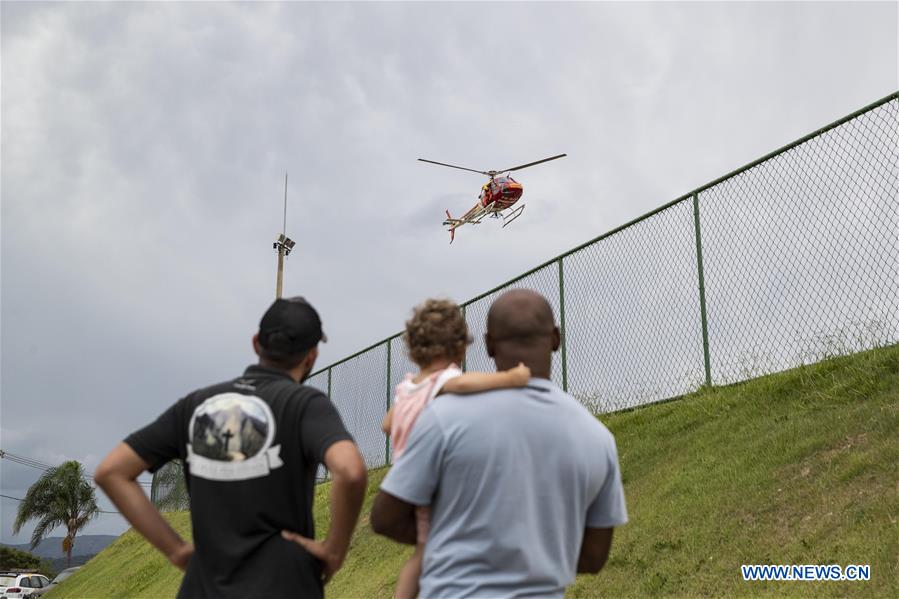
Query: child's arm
point(474, 382)
point(385, 424)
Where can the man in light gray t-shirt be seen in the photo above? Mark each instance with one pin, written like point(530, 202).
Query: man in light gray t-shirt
point(524, 484)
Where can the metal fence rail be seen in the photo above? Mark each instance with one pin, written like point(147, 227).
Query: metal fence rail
point(784, 261)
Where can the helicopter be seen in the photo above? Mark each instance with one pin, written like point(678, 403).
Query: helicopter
point(496, 199)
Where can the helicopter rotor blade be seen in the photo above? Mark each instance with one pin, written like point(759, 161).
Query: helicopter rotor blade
point(458, 167)
point(521, 166)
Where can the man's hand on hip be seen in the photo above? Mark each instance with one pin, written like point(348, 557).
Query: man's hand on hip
point(348, 481)
point(330, 558)
point(181, 556)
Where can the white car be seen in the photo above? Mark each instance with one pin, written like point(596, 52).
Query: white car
point(14, 585)
point(59, 578)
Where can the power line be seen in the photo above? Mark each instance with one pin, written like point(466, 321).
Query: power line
point(20, 499)
point(38, 465)
point(24, 461)
point(32, 463)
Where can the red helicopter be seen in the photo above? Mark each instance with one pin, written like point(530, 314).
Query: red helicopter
point(497, 196)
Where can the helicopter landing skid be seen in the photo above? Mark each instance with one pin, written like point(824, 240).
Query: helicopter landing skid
point(508, 218)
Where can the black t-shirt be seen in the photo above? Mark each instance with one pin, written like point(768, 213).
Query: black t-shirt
point(251, 448)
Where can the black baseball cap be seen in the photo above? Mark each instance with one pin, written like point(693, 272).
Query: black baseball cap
point(290, 326)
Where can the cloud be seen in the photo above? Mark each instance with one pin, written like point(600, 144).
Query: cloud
point(144, 148)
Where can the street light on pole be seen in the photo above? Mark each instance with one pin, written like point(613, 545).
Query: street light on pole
point(283, 245)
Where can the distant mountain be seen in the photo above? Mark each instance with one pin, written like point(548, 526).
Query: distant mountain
point(51, 547)
point(59, 564)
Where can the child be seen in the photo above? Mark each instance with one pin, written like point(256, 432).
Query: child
point(436, 337)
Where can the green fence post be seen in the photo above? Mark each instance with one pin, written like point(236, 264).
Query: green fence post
point(462, 366)
point(387, 437)
point(562, 326)
point(327, 473)
point(702, 312)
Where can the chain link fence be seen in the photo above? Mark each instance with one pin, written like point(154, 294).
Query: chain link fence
point(788, 260)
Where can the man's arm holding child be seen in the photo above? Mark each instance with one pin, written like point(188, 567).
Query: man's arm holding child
point(411, 482)
point(393, 518)
point(475, 382)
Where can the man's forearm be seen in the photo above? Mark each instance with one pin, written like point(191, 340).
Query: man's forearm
point(403, 532)
point(347, 495)
point(594, 550)
point(134, 505)
point(394, 519)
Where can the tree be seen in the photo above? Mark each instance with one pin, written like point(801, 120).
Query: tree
point(169, 490)
point(61, 497)
point(13, 558)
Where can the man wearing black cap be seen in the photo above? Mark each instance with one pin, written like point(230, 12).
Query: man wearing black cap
point(250, 447)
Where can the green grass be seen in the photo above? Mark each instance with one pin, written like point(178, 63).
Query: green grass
point(129, 567)
point(800, 467)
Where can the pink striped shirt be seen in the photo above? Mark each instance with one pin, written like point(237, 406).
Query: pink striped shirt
point(411, 398)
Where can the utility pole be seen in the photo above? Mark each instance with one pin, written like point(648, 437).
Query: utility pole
point(282, 245)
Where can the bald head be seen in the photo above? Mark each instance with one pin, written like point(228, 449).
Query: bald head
point(519, 315)
point(521, 328)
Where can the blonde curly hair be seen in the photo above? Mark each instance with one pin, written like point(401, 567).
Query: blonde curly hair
point(436, 330)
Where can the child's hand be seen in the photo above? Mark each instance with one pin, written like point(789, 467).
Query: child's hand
point(521, 374)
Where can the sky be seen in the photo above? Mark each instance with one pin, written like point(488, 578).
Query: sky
point(144, 148)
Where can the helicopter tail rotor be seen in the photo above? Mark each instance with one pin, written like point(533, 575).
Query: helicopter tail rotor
point(452, 230)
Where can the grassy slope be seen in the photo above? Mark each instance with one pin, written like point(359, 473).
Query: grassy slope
point(798, 467)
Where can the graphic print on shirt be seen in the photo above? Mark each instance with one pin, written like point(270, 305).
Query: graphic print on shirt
point(230, 438)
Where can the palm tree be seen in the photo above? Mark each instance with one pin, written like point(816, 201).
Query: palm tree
point(61, 497)
point(168, 491)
